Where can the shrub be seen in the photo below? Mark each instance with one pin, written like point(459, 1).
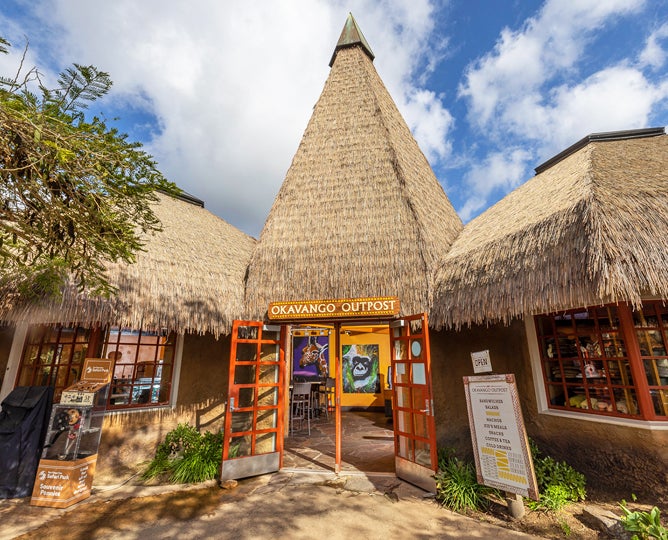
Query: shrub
point(187, 456)
point(558, 482)
point(457, 487)
point(647, 524)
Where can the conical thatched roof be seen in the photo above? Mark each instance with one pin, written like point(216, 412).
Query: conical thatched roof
point(360, 212)
point(590, 228)
point(190, 278)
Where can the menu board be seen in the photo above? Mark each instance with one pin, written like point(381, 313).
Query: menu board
point(500, 444)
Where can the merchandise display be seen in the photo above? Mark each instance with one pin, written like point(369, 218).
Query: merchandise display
point(66, 470)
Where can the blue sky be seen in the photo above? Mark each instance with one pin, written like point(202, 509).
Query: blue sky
point(220, 91)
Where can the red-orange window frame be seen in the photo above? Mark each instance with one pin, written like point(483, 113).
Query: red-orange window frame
point(637, 387)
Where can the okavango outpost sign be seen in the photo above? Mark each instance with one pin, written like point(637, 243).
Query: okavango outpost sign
point(383, 306)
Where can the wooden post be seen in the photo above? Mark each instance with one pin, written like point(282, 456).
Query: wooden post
point(515, 505)
point(337, 397)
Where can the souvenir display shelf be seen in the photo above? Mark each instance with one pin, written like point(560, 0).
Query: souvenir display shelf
point(66, 469)
point(75, 428)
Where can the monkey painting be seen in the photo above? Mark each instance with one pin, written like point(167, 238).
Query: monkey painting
point(360, 369)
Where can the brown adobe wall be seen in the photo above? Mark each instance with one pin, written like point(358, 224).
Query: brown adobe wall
point(617, 459)
point(130, 438)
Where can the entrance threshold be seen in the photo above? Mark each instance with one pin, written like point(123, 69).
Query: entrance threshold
point(367, 446)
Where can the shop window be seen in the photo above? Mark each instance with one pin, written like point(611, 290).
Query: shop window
point(53, 356)
point(143, 368)
point(144, 362)
point(607, 360)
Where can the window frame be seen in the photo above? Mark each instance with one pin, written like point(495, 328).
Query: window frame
point(36, 338)
point(145, 373)
point(49, 352)
point(608, 373)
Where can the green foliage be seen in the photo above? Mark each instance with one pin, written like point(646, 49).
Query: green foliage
point(187, 456)
point(646, 524)
point(565, 527)
point(558, 482)
point(552, 499)
point(75, 195)
point(457, 487)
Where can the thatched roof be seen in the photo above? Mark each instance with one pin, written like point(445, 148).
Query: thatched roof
point(190, 278)
point(360, 212)
point(590, 228)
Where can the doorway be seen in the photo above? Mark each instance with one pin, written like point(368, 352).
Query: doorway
point(259, 403)
point(367, 443)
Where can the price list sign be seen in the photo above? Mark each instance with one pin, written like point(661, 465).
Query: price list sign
point(500, 444)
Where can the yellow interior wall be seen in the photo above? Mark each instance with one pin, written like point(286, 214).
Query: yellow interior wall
point(382, 338)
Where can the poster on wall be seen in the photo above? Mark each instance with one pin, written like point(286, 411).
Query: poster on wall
point(500, 444)
point(361, 369)
point(310, 356)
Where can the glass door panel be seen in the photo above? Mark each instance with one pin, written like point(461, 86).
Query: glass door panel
point(415, 429)
point(253, 440)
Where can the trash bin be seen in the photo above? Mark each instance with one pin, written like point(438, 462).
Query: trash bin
point(23, 422)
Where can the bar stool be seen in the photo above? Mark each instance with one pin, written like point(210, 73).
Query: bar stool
point(326, 395)
point(300, 406)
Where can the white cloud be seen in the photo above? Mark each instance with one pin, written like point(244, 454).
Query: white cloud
point(615, 98)
point(547, 45)
point(431, 124)
point(529, 90)
point(233, 89)
point(499, 172)
point(654, 55)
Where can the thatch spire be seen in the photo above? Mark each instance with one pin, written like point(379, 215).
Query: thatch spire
point(360, 212)
point(590, 228)
point(351, 36)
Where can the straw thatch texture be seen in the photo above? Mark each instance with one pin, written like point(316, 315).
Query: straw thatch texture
point(360, 212)
point(190, 278)
point(591, 229)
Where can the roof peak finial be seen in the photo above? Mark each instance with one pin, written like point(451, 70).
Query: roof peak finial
point(351, 35)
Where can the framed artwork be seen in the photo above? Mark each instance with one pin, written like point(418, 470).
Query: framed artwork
point(360, 369)
point(310, 356)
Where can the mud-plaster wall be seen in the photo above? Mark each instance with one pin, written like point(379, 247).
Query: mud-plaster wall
point(621, 459)
point(130, 438)
point(6, 337)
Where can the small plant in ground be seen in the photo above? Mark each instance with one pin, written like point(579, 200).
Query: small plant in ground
point(187, 456)
point(457, 487)
point(646, 524)
point(558, 482)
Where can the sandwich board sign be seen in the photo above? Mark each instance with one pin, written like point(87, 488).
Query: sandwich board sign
point(500, 444)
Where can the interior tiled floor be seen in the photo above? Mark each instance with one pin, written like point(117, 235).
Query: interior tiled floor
point(367, 444)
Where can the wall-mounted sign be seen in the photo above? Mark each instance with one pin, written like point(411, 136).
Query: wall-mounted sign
point(500, 443)
point(385, 306)
point(481, 362)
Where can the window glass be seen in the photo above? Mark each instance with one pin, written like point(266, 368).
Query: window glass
point(588, 367)
point(143, 367)
point(53, 356)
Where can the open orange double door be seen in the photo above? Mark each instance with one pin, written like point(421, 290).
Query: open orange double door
point(254, 420)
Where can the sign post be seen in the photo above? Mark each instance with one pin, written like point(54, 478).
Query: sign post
point(500, 444)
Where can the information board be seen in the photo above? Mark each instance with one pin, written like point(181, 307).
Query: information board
point(500, 444)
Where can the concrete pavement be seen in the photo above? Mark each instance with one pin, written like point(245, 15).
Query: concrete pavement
point(288, 504)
